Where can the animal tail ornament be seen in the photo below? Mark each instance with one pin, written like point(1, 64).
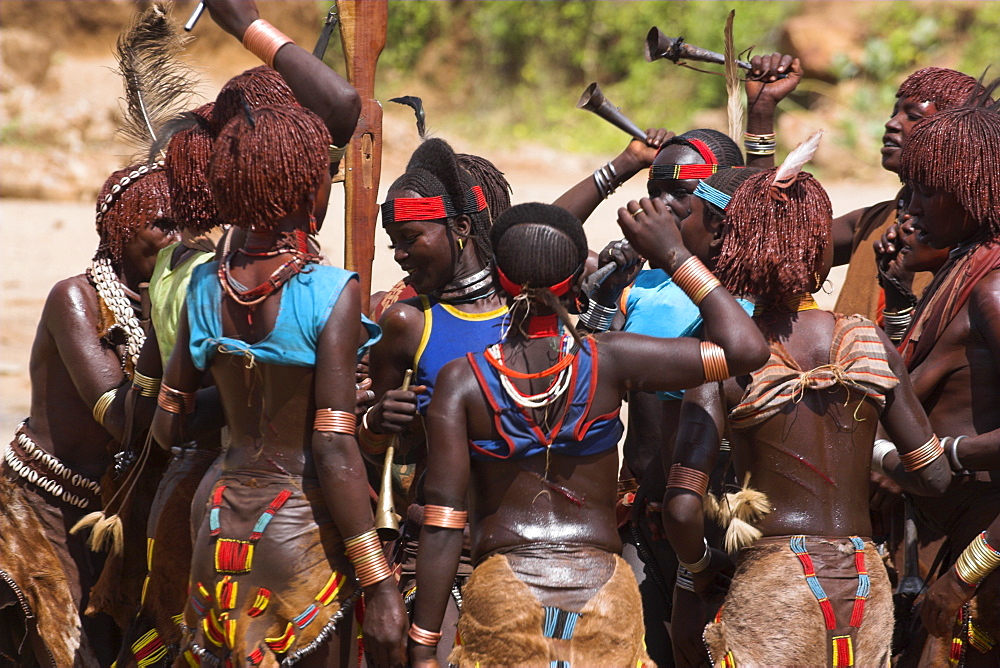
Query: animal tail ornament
point(739, 513)
point(158, 86)
point(788, 172)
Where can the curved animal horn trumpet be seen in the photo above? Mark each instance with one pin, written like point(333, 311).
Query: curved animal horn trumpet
point(593, 100)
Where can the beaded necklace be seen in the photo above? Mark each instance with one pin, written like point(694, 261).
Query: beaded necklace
point(120, 301)
point(293, 244)
point(562, 370)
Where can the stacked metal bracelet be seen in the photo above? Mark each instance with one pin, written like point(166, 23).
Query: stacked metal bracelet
point(713, 361)
point(606, 180)
point(701, 564)
point(598, 317)
point(896, 323)
point(337, 422)
point(337, 153)
point(263, 40)
point(445, 517)
point(977, 561)
point(102, 405)
point(146, 386)
point(424, 637)
point(684, 579)
point(695, 280)
point(922, 456)
point(175, 401)
point(693, 480)
point(950, 446)
point(759, 144)
point(879, 451)
point(365, 553)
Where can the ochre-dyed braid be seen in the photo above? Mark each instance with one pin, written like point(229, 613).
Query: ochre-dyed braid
point(140, 202)
point(946, 88)
point(258, 87)
point(265, 167)
point(186, 166)
point(958, 151)
point(772, 248)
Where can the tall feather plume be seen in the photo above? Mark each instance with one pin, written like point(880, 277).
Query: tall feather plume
point(158, 85)
point(794, 161)
point(733, 89)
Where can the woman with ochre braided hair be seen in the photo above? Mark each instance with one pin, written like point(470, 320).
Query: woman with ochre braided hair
point(809, 589)
point(438, 217)
point(287, 545)
point(522, 440)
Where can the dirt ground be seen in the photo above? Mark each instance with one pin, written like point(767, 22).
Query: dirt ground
point(42, 242)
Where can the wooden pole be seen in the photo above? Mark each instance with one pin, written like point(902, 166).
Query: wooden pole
point(362, 29)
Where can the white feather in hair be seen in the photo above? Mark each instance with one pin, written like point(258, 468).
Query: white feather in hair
point(795, 160)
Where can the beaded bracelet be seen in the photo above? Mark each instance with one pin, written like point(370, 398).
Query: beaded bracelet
point(424, 637)
point(263, 40)
point(922, 456)
point(146, 386)
point(713, 360)
point(175, 401)
point(598, 317)
point(445, 517)
point(102, 405)
point(977, 561)
point(365, 553)
point(682, 477)
point(337, 422)
point(701, 564)
point(695, 279)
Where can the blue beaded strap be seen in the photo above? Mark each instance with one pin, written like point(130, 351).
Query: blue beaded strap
point(713, 195)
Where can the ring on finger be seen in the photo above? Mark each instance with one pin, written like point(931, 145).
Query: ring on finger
point(370, 395)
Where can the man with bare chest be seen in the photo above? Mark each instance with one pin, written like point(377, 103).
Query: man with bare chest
point(952, 349)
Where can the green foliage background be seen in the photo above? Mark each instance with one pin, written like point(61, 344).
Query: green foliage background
point(512, 70)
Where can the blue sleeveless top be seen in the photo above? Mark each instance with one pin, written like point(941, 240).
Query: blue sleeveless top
point(449, 334)
point(573, 435)
point(306, 302)
point(655, 306)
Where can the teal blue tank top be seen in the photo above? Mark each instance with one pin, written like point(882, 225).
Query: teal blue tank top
point(306, 302)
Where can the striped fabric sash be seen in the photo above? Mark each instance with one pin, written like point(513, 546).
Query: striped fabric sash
point(858, 362)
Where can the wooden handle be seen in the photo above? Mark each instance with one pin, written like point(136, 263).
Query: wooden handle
point(362, 30)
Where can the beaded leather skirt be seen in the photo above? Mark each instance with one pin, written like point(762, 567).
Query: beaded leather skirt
point(269, 579)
